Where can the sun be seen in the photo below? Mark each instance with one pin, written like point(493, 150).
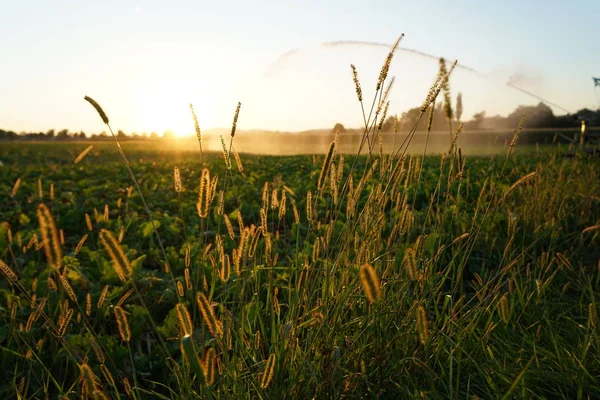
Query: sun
point(165, 106)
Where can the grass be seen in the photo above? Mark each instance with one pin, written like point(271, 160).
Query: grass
point(380, 275)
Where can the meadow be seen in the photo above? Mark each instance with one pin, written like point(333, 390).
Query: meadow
point(181, 274)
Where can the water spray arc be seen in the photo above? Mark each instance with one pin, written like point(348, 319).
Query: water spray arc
point(277, 65)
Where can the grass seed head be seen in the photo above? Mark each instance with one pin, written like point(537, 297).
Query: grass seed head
point(356, 83)
point(185, 321)
point(102, 297)
point(208, 315)
point(68, 289)
point(204, 195)
point(210, 360)
point(8, 272)
point(80, 244)
point(88, 304)
point(592, 315)
point(127, 387)
point(99, 109)
point(122, 324)
point(50, 237)
point(267, 375)
point(422, 328)
point(83, 154)
point(177, 179)
point(64, 323)
point(386, 65)
point(97, 350)
point(107, 375)
point(15, 188)
point(235, 119)
point(188, 279)
point(325, 167)
point(88, 222)
point(115, 251)
point(196, 125)
point(370, 282)
point(504, 308)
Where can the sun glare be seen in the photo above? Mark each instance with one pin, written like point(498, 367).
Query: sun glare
point(166, 107)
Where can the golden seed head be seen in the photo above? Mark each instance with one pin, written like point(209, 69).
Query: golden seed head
point(235, 119)
point(382, 119)
point(282, 205)
point(80, 244)
point(225, 153)
point(356, 83)
point(410, 264)
point(127, 386)
point(180, 289)
point(115, 251)
point(177, 179)
point(269, 371)
point(185, 321)
point(122, 323)
point(196, 125)
point(210, 359)
point(102, 297)
point(83, 154)
point(15, 188)
point(386, 66)
point(188, 279)
point(422, 325)
point(325, 167)
point(229, 227)
point(107, 375)
point(88, 222)
point(370, 283)
point(296, 214)
point(8, 272)
point(238, 160)
point(64, 323)
point(309, 205)
point(50, 237)
point(67, 286)
point(204, 197)
point(208, 315)
point(88, 304)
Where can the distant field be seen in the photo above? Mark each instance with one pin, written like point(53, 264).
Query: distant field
point(462, 276)
point(485, 142)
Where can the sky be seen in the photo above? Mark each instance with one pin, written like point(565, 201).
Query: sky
point(146, 61)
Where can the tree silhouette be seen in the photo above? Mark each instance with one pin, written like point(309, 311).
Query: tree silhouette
point(338, 128)
point(459, 107)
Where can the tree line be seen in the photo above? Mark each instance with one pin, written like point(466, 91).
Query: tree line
point(536, 117)
point(65, 135)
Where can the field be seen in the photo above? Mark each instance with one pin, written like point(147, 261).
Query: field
point(313, 276)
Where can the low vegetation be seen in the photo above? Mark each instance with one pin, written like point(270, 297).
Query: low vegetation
point(181, 275)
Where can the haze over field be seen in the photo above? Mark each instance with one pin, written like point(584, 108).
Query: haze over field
point(145, 61)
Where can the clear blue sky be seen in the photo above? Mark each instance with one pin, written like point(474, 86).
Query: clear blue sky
point(144, 61)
